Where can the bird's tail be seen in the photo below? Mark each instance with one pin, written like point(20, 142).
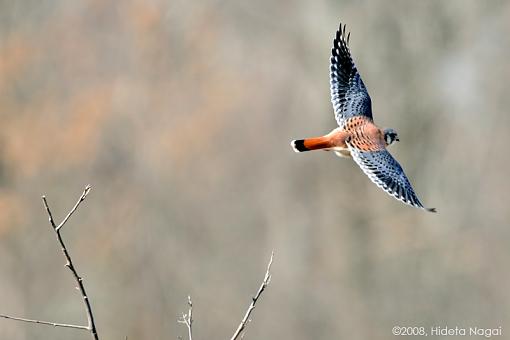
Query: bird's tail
point(309, 144)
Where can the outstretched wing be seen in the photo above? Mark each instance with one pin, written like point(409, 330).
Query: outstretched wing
point(385, 171)
point(348, 93)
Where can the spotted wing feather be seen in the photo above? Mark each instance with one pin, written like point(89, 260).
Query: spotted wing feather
point(349, 95)
point(385, 171)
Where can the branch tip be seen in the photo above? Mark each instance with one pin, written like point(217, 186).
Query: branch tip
point(267, 278)
point(86, 191)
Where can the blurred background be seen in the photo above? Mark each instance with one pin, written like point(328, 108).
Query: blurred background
point(180, 113)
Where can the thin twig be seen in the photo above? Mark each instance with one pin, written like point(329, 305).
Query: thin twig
point(265, 283)
point(187, 319)
point(54, 324)
point(81, 199)
point(91, 327)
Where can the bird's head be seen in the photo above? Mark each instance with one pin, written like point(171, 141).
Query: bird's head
point(390, 136)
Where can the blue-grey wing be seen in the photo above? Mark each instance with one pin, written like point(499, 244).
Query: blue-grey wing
point(348, 93)
point(385, 171)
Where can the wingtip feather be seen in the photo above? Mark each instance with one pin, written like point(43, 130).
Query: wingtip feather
point(342, 34)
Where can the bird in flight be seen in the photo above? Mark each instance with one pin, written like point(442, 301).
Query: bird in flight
point(357, 136)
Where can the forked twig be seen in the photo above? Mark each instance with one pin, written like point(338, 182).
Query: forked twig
point(187, 319)
point(91, 327)
point(265, 283)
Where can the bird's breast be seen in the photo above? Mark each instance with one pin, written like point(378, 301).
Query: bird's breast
point(366, 137)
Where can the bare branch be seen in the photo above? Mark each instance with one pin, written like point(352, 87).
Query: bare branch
point(265, 283)
point(187, 319)
point(69, 262)
point(91, 327)
point(54, 324)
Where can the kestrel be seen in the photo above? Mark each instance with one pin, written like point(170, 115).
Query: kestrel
point(357, 136)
